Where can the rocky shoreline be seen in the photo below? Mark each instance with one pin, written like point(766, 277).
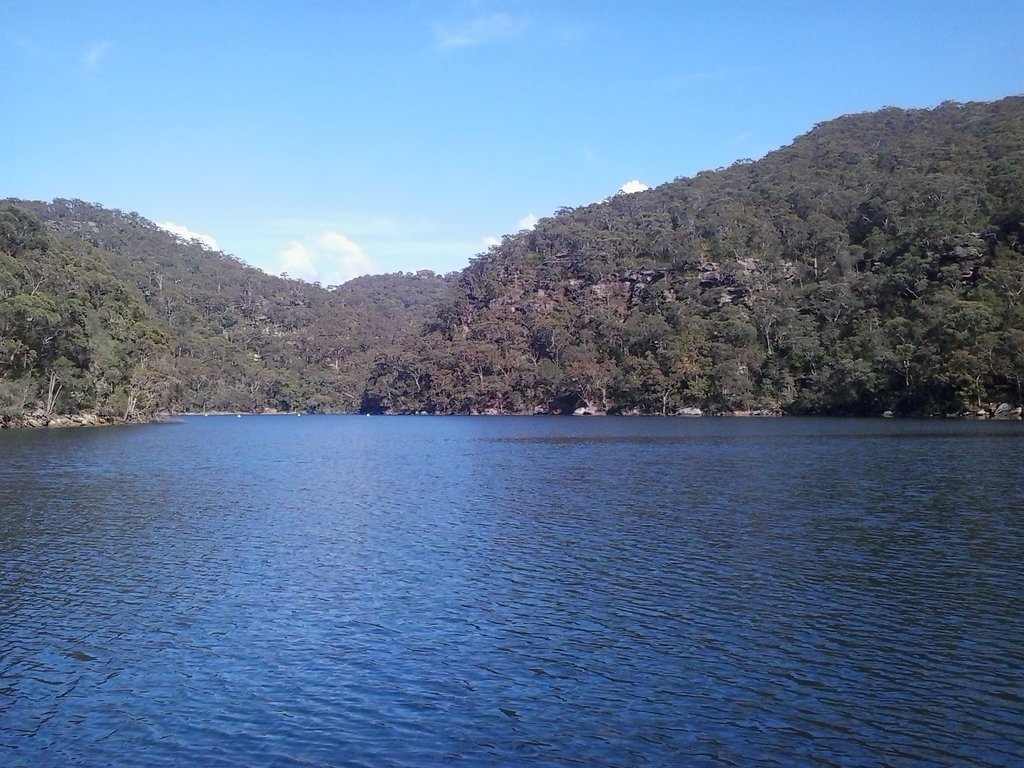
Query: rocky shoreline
point(60, 421)
point(36, 421)
point(999, 412)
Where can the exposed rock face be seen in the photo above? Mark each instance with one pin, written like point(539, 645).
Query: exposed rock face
point(691, 412)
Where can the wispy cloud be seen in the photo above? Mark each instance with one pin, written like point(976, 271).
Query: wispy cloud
point(478, 30)
point(94, 55)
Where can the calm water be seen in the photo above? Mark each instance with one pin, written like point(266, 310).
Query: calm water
point(353, 591)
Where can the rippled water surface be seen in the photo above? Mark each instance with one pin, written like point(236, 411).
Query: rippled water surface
point(353, 591)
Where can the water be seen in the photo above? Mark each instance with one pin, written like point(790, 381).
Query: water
point(419, 591)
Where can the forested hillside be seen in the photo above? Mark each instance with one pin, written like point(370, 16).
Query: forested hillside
point(137, 320)
point(73, 336)
point(875, 264)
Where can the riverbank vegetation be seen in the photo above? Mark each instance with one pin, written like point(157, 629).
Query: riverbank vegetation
point(875, 264)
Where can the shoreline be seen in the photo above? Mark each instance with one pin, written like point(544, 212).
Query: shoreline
point(69, 421)
point(76, 420)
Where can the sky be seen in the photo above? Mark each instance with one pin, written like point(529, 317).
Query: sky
point(331, 138)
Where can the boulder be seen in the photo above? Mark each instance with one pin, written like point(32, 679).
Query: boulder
point(1006, 411)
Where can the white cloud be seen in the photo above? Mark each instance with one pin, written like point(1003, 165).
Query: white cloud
point(188, 235)
point(477, 31)
point(329, 258)
point(397, 242)
point(633, 186)
point(529, 221)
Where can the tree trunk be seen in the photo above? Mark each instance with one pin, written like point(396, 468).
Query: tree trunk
point(133, 401)
point(52, 393)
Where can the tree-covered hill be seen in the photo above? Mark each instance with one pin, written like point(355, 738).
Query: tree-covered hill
point(73, 336)
point(875, 264)
point(222, 335)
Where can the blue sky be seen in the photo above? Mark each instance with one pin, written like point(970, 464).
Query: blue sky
point(330, 139)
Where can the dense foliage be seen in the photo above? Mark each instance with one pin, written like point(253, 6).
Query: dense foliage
point(72, 335)
point(221, 335)
point(877, 263)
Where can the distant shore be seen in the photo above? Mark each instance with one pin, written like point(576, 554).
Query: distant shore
point(64, 421)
